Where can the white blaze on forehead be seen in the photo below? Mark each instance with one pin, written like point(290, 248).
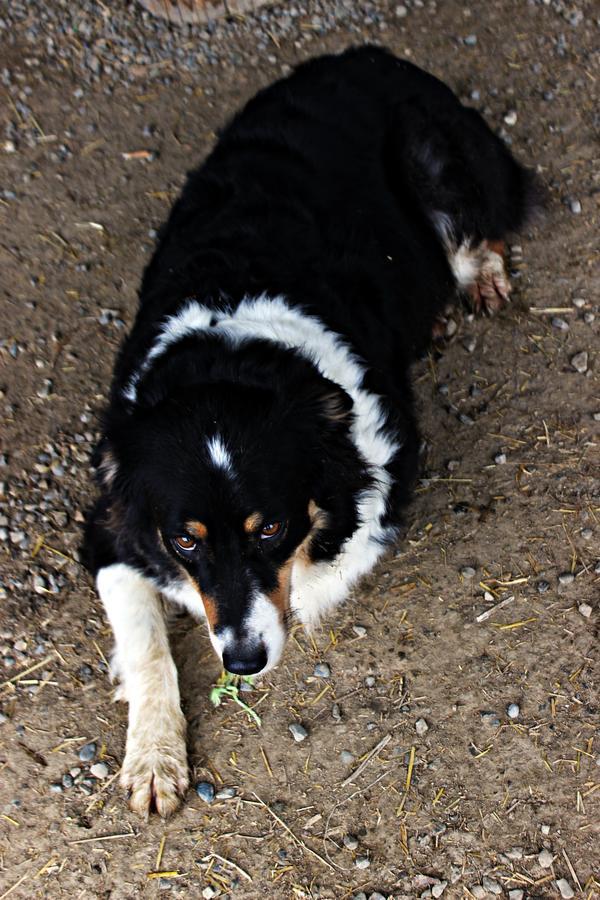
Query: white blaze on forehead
point(219, 454)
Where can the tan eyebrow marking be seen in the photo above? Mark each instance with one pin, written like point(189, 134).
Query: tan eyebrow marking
point(252, 522)
point(197, 529)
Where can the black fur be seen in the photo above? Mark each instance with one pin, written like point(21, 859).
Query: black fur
point(322, 190)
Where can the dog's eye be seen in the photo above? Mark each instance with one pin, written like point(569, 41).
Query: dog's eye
point(184, 543)
point(270, 530)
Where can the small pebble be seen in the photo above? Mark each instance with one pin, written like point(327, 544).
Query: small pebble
point(206, 791)
point(438, 889)
point(585, 609)
point(99, 770)
point(370, 681)
point(500, 459)
point(467, 572)
point(580, 362)
point(560, 324)
point(376, 896)
point(543, 586)
point(336, 712)
point(350, 841)
point(209, 892)
point(578, 302)
point(513, 710)
point(516, 894)
point(515, 853)
point(511, 117)
point(421, 726)
point(545, 829)
point(575, 206)
point(566, 578)
point(227, 793)
point(478, 892)
point(566, 891)
point(491, 885)
point(401, 11)
point(589, 317)
point(56, 788)
point(362, 862)
point(87, 752)
point(470, 40)
point(360, 896)
point(67, 780)
point(298, 732)
point(359, 630)
point(587, 534)
point(545, 859)
point(346, 757)
point(322, 670)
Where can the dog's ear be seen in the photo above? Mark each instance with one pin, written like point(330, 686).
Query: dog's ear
point(326, 400)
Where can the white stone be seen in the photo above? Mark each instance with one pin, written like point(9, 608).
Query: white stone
point(545, 859)
point(565, 889)
point(585, 609)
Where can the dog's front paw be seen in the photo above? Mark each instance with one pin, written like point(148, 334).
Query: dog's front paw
point(155, 775)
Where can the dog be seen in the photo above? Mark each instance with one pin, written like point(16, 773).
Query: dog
point(260, 443)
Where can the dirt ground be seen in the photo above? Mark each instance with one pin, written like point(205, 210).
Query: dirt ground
point(465, 618)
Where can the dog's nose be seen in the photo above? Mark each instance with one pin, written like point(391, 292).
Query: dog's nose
point(245, 662)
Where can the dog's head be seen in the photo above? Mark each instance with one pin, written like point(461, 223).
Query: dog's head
point(226, 487)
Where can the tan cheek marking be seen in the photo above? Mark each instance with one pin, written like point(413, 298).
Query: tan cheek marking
point(210, 608)
point(197, 530)
point(252, 522)
point(319, 520)
point(280, 597)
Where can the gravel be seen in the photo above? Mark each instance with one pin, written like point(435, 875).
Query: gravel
point(545, 858)
point(206, 791)
point(88, 752)
point(566, 578)
point(227, 793)
point(362, 862)
point(421, 727)
point(322, 670)
point(491, 885)
point(346, 757)
point(565, 889)
point(585, 609)
point(580, 362)
point(298, 732)
point(350, 841)
point(99, 770)
point(516, 894)
point(467, 572)
point(513, 710)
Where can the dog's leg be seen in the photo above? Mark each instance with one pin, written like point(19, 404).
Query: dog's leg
point(155, 770)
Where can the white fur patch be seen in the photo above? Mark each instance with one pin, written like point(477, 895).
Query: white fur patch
point(465, 264)
point(263, 625)
point(465, 260)
point(219, 454)
point(272, 319)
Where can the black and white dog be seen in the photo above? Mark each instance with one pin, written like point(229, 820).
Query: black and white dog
point(260, 441)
